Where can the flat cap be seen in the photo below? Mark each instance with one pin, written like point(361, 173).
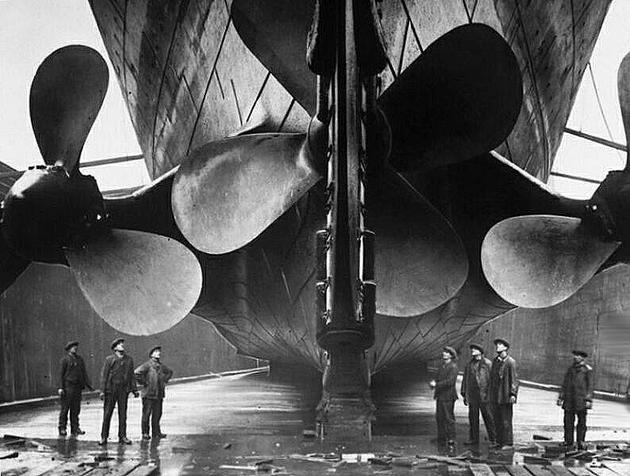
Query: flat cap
point(117, 341)
point(70, 344)
point(474, 345)
point(581, 353)
point(502, 341)
point(451, 351)
point(154, 348)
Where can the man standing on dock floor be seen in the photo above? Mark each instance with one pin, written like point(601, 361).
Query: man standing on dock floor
point(153, 376)
point(445, 395)
point(474, 391)
point(117, 381)
point(576, 398)
point(72, 380)
point(503, 392)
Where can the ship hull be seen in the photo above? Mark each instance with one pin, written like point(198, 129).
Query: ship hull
point(188, 79)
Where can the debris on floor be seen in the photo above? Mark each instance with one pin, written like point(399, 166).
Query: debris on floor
point(603, 458)
point(328, 458)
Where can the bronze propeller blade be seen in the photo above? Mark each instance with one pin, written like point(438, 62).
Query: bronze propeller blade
point(66, 95)
point(459, 99)
point(227, 192)
point(540, 260)
point(139, 283)
point(276, 31)
point(419, 259)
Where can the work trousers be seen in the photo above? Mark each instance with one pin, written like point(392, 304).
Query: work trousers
point(474, 407)
point(445, 417)
point(70, 402)
point(117, 397)
point(502, 413)
point(151, 409)
point(569, 425)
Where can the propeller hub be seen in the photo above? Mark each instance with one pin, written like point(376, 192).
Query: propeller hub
point(46, 210)
point(608, 211)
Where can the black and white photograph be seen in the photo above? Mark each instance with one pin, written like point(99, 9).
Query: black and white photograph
point(306, 237)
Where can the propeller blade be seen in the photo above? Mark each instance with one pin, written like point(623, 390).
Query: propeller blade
point(275, 31)
point(229, 191)
point(459, 99)
point(540, 260)
point(420, 261)
point(623, 86)
point(11, 266)
point(66, 95)
point(138, 282)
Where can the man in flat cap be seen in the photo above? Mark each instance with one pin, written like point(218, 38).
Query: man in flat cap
point(502, 393)
point(576, 397)
point(117, 382)
point(445, 395)
point(73, 378)
point(153, 376)
point(475, 394)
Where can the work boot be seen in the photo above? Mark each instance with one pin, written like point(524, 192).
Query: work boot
point(450, 447)
point(146, 437)
point(160, 435)
point(124, 441)
point(102, 442)
point(62, 432)
point(78, 432)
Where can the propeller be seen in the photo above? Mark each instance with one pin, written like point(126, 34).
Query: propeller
point(540, 260)
point(229, 191)
point(143, 283)
point(66, 95)
point(460, 98)
point(140, 283)
point(420, 260)
point(276, 32)
point(218, 192)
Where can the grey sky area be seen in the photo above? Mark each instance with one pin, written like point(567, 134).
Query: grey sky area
point(29, 31)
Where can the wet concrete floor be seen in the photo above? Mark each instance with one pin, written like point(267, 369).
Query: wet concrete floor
point(239, 420)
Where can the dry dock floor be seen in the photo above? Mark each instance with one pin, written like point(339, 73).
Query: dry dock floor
point(249, 424)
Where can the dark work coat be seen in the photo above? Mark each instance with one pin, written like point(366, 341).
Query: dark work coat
point(445, 382)
point(153, 376)
point(577, 388)
point(503, 380)
point(118, 373)
point(476, 379)
point(73, 373)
